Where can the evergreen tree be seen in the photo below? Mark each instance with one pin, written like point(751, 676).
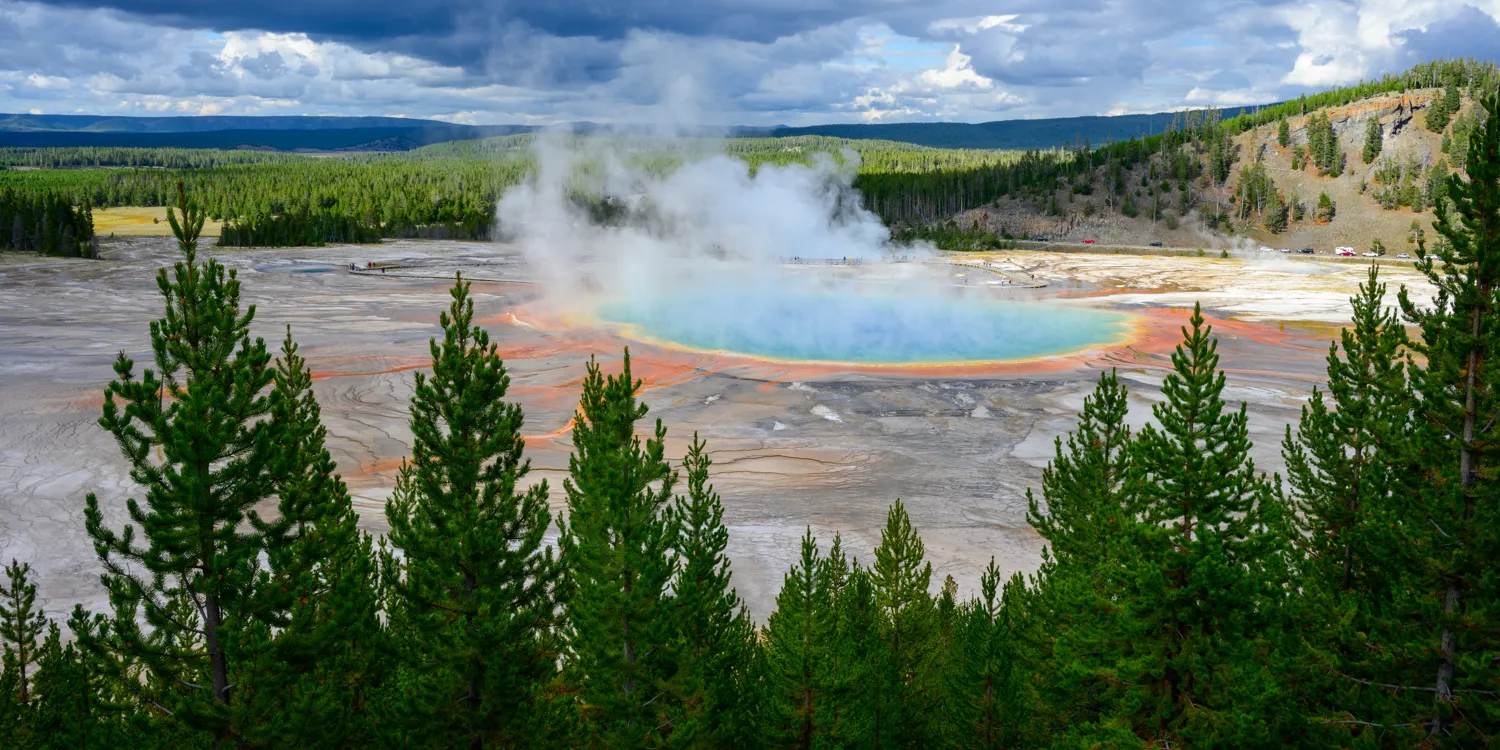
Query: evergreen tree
point(1373, 140)
point(795, 646)
point(472, 591)
point(21, 624)
point(616, 544)
point(1276, 213)
point(909, 629)
point(1339, 464)
point(1087, 528)
point(846, 621)
point(1283, 132)
point(1084, 486)
point(75, 706)
point(714, 628)
point(1443, 108)
point(320, 591)
point(1452, 531)
point(980, 685)
point(1323, 145)
point(1344, 467)
point(1325, 208)
point(1205, 578)
point(196, 435)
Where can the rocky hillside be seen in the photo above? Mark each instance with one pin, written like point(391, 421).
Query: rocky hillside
point(1240, 210)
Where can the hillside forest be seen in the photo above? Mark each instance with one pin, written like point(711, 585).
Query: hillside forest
point(1262, 172)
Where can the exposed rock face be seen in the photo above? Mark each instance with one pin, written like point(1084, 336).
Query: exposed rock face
point(1395, 112)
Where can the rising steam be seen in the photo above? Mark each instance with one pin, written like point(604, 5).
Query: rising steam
point(689, 246)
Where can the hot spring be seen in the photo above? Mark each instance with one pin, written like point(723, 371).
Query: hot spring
point(876, 328)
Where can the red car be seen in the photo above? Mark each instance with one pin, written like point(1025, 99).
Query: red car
point(1088, 242)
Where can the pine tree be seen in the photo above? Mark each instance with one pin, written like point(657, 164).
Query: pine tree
point(74, 705)
point(1283, 132)
point(1087, 528)
point(21, 624)
point(1339, 461)
point(980, 681)
point(795, 648)
point(195, 434)
point(1275, 216)
point(1084, 485)
point(846, 630)
point(1325, 208)
point(1442, 110)
point(472, 591)
point(1452, 531)
point(320, 590)
point(616, 545)
point(714, 628)
point(1344, 466)
point(909, 629)
point(1204, 579)
point(1373, 140)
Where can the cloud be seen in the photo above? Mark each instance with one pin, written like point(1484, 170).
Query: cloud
point(711, 62)
point(1470, 32)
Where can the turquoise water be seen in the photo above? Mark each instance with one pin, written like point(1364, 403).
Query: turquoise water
point(864, 328)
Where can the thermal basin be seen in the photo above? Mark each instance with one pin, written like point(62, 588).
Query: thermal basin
point(885, 328)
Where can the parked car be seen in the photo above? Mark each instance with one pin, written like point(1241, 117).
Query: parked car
point(1156, 244)
point(1038, 239)
point(1307, 251)
point(1088, 242)
point(1285, 250)
point(1403, 256)
point(1345, 252)
point(1372, 255)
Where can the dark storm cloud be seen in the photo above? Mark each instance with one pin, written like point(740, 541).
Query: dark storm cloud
point(459, 32)
point(750, 61)
point(1469, 33)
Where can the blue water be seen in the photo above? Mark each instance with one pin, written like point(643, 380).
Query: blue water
point(297, 267)
point(885, 329)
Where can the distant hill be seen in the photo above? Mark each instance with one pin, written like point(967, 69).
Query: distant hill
point(333, 139)
point(197, 124)
point(1004, 134)
point(291, 133)
point(296, 133)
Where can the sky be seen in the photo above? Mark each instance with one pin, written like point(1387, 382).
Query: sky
point(710, 62)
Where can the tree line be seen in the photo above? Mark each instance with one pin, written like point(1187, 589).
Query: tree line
point(46, 223)
point(449, 190)
point(1185, 599)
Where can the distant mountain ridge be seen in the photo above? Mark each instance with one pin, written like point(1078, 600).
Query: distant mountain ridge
point(326, 133)
point(1007, 134)
point(201, 123)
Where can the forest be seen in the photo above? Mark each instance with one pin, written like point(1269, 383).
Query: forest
point(449, 190)
point(1185, 599)
point(47, 223)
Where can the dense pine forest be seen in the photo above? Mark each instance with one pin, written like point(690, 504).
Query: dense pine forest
point(47, 223)
point(449, 190)
point(1186, 599)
